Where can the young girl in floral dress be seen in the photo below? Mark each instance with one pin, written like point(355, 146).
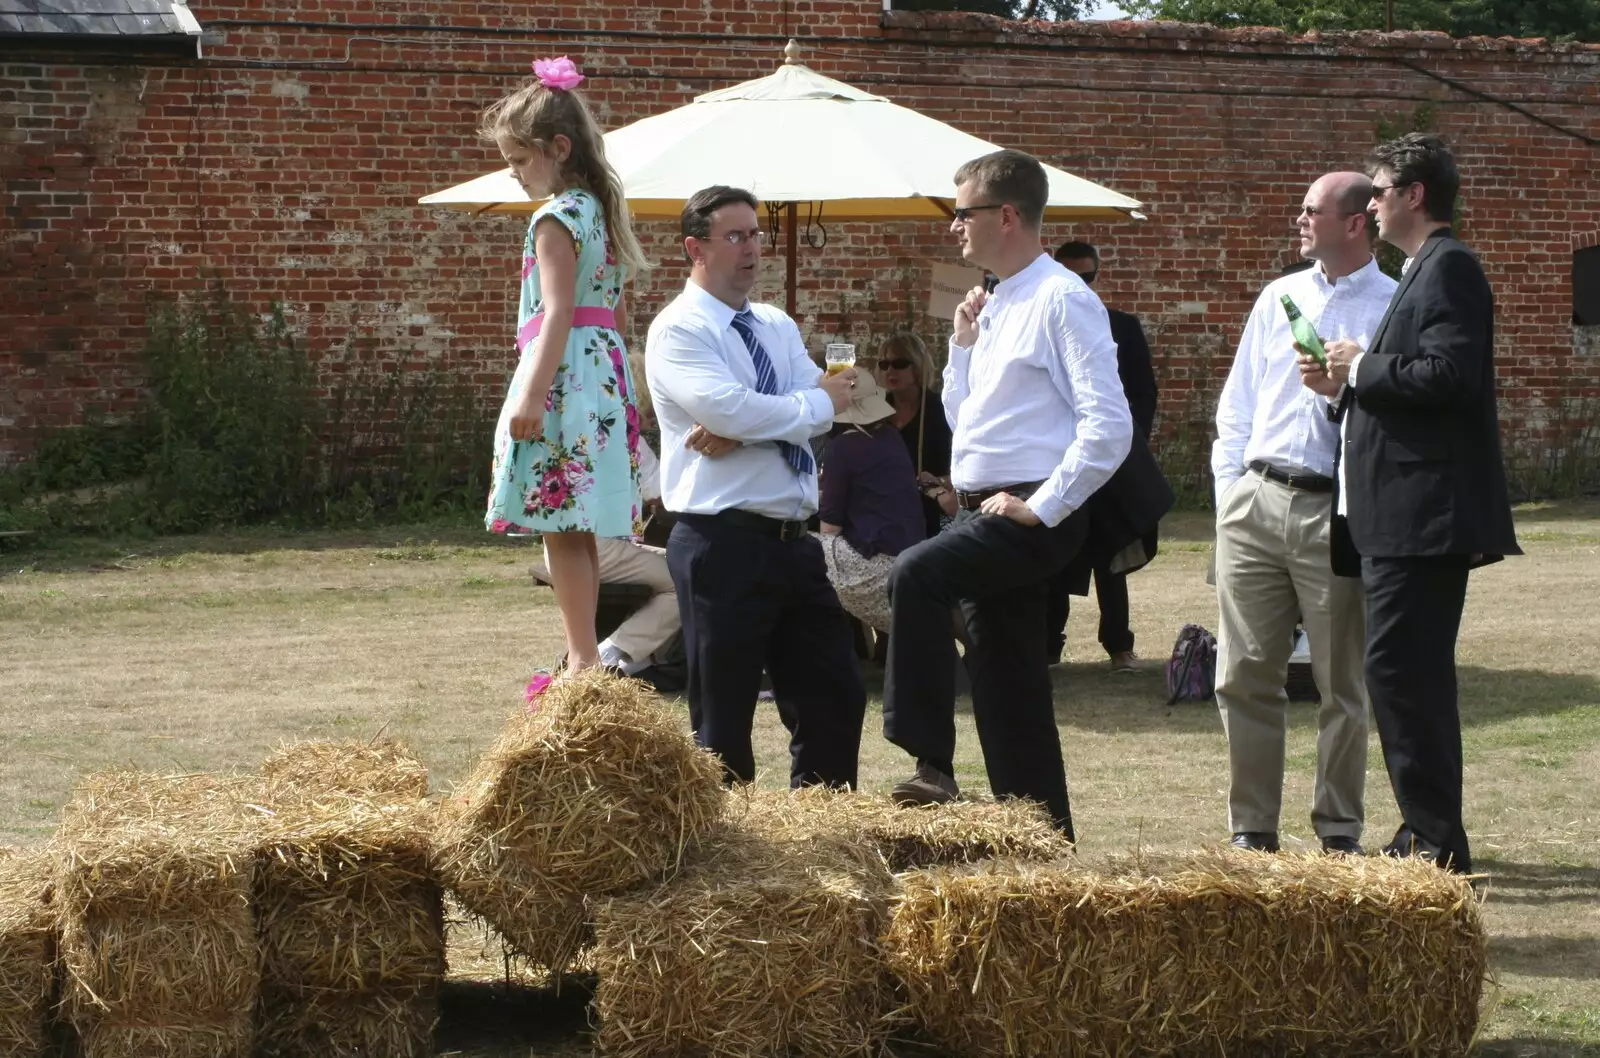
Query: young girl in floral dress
point(566, 448)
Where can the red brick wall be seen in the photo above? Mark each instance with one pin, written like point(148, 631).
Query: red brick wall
point(287, 164)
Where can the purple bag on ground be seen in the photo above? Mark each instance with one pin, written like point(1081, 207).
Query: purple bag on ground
point(1192, 669)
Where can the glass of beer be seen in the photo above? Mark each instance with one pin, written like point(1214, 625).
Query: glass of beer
point(840, 355)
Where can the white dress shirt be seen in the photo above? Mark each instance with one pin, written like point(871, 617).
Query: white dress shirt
point(700, 373)
point(649, 473)
point(1265, 412)
point(1037, 397)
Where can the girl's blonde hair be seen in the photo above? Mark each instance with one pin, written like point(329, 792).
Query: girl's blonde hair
point(904, 344)
point(532, 117)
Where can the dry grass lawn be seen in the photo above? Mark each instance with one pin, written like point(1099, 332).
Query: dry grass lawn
point(205, 653)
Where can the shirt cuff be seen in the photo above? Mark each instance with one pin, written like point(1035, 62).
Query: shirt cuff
point(1050, 509)
point(1222, 487)
point(819, 407)
point(1355, 365)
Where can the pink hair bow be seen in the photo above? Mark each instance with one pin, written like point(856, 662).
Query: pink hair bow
point(560, 73)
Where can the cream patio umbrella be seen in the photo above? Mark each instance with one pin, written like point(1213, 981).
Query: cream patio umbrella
point(789, 138)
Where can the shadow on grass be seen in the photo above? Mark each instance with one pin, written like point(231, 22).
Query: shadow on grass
point(1088, 695)
point(494, 1017)
point(1540, 883)
point(1545, 956)
point(1533, 1047)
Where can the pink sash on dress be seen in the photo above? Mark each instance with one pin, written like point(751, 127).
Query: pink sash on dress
point(582, 316)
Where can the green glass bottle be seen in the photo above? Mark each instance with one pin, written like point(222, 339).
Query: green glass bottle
point(1303, 332)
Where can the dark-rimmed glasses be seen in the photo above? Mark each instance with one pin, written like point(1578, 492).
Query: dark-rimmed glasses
point(1378, 190)
point(897, 364)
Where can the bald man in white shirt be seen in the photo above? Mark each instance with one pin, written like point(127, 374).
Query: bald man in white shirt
point(1273, 464)
point(1040, 424)
point(738, 400)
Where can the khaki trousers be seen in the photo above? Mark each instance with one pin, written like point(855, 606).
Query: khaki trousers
point(649, 628)
point(1272, 564)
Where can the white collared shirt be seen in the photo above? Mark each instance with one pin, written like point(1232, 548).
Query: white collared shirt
point(649, 473)
point(1265, 412)
point(1037, 397)
point(700, 373)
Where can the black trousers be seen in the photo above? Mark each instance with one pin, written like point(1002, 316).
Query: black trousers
point(1413, 615)
point(1111, 591)
point(998, 572)
point(751, 601)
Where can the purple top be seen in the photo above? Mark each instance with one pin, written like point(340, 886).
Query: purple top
point(870, 489)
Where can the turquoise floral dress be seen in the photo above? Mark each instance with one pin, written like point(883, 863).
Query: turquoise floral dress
point(582, 474)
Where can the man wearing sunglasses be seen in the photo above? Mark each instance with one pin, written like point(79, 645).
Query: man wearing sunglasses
point(1422, 488)
point(1040, 425)
point(738, 400)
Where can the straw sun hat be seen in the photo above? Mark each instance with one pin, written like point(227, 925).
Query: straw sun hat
point(867, 403)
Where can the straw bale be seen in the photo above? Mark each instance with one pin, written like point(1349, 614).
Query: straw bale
point(153, 879)
point(1220, 953)
point(761, 947)
point(350, 921)
point(27, 950)
point(601, 790)
point(391, 1023)
point(908, 838)
point(381, 767)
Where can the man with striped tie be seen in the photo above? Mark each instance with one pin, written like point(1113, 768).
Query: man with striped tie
point(738, 400)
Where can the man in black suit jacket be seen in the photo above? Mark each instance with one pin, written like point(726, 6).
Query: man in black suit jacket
point(1138, 377)
point(1422, 485)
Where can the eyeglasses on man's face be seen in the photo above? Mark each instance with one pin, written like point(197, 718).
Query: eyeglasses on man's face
point(962, 214)
point(755, 236)
point(1324, 211)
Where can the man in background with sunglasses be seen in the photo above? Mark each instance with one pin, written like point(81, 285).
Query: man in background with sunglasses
point(1040, 424)
point(1422, 487)
point(1138, 377)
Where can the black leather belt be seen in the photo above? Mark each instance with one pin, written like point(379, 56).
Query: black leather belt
point(1304, 482)
point(757, 523)
point(971, 501)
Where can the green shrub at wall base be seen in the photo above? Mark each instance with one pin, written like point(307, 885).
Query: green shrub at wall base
point(239, 427)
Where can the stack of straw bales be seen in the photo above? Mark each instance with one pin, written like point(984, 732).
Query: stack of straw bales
point(761, 947)
point(153, 885)
point(907, 838)
point(27, 951)
point(348, 912)
point(599, 791)
point(1224, 953)
point(379, 768)
point(351, 928)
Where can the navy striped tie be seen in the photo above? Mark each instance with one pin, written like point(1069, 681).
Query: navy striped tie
point(767, 382)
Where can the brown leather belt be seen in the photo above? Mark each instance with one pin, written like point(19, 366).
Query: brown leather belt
point(1304, 482)
point(971, 501)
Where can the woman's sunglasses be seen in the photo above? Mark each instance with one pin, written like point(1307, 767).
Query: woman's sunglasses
point(894, 365)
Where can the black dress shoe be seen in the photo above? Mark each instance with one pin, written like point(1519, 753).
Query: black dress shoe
point(1255, 841)
point(1342, 845)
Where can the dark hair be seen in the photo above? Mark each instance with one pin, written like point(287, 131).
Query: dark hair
point(1077, 251)
point(1421, 158)
point(1012, 177)
point(696, 218)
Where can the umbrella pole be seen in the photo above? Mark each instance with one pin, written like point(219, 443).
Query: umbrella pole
point(792, 234)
